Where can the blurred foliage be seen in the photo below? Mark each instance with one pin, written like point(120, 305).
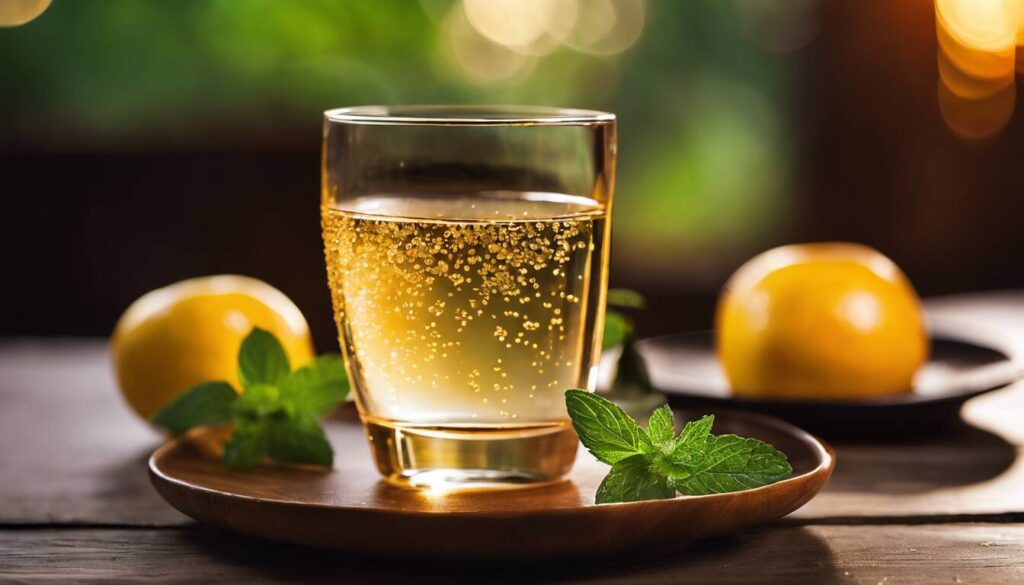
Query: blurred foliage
point(618, 328)
point(703, 104)
point(625, 298)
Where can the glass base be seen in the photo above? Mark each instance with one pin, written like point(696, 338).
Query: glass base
point(452, 458)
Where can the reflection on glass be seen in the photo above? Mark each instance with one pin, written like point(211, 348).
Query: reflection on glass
point(467, 255)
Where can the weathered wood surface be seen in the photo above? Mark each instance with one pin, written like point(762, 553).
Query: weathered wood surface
point(72, 455)
point(819, 555)
point(70, 450)
point(977, 469)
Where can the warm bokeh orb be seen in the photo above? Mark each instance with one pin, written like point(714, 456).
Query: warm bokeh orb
point(19, 12)
point(820, 321)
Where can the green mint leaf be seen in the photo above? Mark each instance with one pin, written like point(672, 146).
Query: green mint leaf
point(317, 387)
point(276, 414)
point(261, 359)
point(632, 479)
point(604, 428)
point(257, 401)
point(728, 463)
point(298, 440)
point(208, 403)
point(247, 446)
point(651, 464)
point(692, 444)
point(697, 430)
point(625, 298)
point(617, 329)
point(661, 426)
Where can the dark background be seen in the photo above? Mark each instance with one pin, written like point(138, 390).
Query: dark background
point(94, 215)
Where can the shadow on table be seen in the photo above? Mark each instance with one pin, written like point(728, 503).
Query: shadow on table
point(794, 554)
point(123, 488)
point(958, 455)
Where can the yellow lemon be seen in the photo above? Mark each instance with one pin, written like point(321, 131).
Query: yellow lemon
point(824, 321)
point(189, 332)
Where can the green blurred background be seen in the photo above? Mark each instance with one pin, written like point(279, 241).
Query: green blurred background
point(145, 141)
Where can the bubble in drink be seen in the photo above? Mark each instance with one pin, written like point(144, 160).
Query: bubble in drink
point(472, 313)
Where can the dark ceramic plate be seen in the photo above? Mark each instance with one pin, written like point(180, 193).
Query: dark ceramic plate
point(685, 368)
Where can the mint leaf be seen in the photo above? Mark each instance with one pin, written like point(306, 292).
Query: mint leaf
point(317, 387)
point(692, 444)
point(261, 359)
point(625, 298)
point(652, 464)
point(730, 463)
point(208, 403)
point(697, 430)
point(661, 426)
point(298, 440)
point(604, 428)
point(631, 480)
point(247, 446)
point(276, 415)
point(617, 329)
point(258, 401)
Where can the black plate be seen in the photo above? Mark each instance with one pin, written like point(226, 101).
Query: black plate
point(685, 368)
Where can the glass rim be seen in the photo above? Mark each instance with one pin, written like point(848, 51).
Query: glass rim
point(467, 115)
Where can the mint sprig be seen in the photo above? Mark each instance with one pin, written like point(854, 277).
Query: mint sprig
point(276, 415)
point(655, 463)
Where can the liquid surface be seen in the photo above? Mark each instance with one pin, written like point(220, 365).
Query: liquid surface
point(472, 311)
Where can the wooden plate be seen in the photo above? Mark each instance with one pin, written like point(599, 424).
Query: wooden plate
point(349, 508)
point(685, 368)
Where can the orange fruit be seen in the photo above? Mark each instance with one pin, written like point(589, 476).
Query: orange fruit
point(178, 336)
point(820, 321)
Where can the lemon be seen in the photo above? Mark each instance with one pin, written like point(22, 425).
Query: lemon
point(824, 321)
point(189, 332)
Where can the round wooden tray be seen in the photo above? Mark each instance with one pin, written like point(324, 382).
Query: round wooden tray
point(349, 508)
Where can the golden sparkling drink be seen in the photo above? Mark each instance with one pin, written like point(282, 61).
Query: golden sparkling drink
point(463, 320)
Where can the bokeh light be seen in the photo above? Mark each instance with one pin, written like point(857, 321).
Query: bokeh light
point(521, 25)
point(487, 37)
point(19, 12)
point(704, 96)
point(606, 27)
point(977, 118)
point(477, 56)
point(977, 45)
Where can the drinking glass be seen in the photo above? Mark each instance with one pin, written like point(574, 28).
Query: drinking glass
point(467, 254)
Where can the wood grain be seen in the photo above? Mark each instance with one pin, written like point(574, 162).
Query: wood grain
point(974, 469)
point(818, 555)
point(351, 509)
point(70, 450)
point(80, 454)
point(71, 453)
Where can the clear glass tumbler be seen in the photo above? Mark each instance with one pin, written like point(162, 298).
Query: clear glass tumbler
point(467, 254)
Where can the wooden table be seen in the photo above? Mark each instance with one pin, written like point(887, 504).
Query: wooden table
point(76, 504)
